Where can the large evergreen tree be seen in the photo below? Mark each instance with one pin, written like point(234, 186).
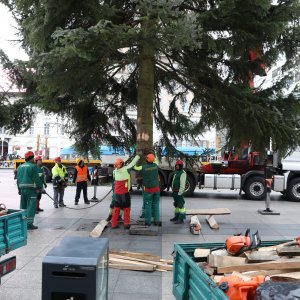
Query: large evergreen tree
point(91, 60)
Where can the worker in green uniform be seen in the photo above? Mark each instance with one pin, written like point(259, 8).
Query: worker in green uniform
point(178, 187)
point(151, 189)
point(39, 163)
point(29, 182)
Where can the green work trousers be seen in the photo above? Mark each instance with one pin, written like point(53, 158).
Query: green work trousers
point(179, 206)
point(28, 202)
point(151, 202)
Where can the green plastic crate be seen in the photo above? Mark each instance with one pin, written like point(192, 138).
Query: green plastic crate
point(13, 230)
point(189, 281)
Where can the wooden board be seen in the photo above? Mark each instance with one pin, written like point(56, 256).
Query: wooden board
point(267, 272)
point(146, 268)
point(212, 222)
point(261, 256)
point(288, 251)
point(293, 276)
point(161, 265)
point(274, 265)
point(97, 231)
point(274, 248)
point(225, 261)
point(208, 211)
point(143, 230)
point(201, 253)
point(140, 255)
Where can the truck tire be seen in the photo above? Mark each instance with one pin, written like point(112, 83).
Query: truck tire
point(70, 172)
point(255, 188)
point(47, 174)
point(190, 185)
point(293, 190)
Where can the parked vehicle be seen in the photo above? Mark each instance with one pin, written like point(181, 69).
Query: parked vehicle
point(13, 235)
point(286, 177)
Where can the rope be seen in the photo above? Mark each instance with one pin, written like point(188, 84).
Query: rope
point(84, 207)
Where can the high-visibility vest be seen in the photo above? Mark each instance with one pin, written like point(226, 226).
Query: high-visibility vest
point(81, 173)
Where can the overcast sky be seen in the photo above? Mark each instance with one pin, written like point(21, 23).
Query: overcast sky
point(8, 34)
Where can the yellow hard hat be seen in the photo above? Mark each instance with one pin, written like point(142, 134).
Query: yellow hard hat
point(78, 160)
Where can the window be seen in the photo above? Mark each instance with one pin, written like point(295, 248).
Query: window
point(46, 128)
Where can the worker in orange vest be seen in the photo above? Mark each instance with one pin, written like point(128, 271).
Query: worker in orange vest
point(81, 176)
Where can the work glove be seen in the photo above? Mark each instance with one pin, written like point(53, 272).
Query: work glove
point(45, 185)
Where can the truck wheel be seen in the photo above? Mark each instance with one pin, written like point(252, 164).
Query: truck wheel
point(255, 188)
point(190, 185)
point(162, 184)
point(70, 172)
point(293, 190)
point(47, 174)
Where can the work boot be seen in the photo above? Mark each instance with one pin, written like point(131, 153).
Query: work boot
point(175, 217)
point(87, 202)
point(36, 212)
point(31, 227)
point(126, 226)
point(56, 206)
point(157, 223)
point(39, 209)
point(115, 227)
point(108, 218)
point(76, 203)
point(178, 222)
point(62, 205)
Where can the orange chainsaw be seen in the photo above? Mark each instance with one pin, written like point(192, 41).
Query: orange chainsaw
point(237, 244)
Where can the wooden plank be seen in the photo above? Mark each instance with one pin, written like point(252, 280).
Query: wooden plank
point(208, 211)
point(97, 231)
point(274, 265)
point(167, 261)
point(293, 276)
point(261, 256)
point(146, 268)
point(267, 272)
point(140, 255)
point(288, 251)
point(124, 261)
point(212, 222)
point(155, 263)
point(195, 225)
point(225, 261)
point(201, 253)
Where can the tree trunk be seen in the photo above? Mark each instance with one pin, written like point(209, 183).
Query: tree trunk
point(145, 89)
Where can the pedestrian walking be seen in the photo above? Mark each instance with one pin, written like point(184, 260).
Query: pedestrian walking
point(59, 177)
point(122, 186)
point(151, 189)
point(29, 182)
point(178, 187)
point(81, 177)
point(39, 163)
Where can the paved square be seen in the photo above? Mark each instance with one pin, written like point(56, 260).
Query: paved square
point(55, 224)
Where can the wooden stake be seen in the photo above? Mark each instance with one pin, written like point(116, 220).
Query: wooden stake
point(212, 222)
point(97, 231)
